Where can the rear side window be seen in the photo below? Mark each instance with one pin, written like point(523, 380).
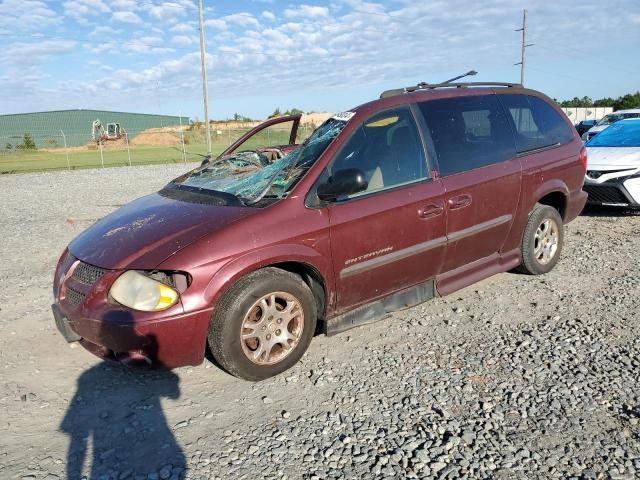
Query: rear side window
point(468, 132)
point(537, 124)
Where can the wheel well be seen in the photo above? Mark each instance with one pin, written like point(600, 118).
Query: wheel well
point(556, 200)
point(312, 278)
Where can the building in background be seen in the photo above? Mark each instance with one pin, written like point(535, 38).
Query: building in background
point(76, 127)
point(578, 114)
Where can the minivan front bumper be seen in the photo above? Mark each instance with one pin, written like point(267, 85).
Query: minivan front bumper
point(170, 342)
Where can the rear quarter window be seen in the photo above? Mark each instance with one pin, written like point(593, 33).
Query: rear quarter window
point(537, 124)
point(468, 132)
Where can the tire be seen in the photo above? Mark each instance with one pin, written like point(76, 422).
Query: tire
point(274, 311)
point(542, 240)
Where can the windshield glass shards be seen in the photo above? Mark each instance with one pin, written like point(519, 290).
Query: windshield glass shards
point(251, 175)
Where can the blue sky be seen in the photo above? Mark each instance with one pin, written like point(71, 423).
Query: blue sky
point(143, 56)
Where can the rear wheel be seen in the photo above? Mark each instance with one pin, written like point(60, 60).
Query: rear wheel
point(263, 325)
point(542, 240)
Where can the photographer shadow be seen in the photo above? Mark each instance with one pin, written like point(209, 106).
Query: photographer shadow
point(116, 414)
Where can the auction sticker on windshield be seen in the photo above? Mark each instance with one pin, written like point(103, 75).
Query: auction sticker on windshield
point(344, 116)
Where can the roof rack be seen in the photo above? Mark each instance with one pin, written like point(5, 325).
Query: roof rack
point(433, 86)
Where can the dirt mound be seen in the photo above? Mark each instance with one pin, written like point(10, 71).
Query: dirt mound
point(316, 118)
point(156, 136)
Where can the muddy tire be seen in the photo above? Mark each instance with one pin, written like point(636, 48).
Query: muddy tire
point(263, 324)
point(542, 240)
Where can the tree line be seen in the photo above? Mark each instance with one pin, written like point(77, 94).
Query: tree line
point(630, 100)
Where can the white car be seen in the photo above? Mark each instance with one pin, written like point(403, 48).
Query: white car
point(613, 165)
point(610, 119)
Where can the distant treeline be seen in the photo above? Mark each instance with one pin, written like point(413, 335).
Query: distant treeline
point(630, 100)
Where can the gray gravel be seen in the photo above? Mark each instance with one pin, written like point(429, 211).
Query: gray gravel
point(515, 377)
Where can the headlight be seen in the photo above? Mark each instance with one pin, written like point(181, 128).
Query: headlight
point(139, 292)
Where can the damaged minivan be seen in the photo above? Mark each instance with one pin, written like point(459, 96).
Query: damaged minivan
point(417, 194)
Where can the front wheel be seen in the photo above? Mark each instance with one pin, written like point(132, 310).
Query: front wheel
point(263, 325)
point(542, 240)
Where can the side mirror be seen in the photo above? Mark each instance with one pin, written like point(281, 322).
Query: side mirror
point(343, 182)
point(206, 159)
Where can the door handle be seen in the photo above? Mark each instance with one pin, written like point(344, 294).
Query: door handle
point(460, 201)
point(430, 211)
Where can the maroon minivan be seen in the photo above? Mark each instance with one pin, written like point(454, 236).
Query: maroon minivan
point(414, 195)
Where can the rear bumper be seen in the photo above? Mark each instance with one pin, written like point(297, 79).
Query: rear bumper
point(575, 204)
point(170, 342)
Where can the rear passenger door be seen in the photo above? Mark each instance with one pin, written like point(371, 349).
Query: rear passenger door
point(480, 171)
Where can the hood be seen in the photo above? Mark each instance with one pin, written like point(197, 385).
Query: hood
point(148, 230)
point(610, 158)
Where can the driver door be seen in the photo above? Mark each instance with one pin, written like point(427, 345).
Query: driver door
point(392, 235)
point(276, 135)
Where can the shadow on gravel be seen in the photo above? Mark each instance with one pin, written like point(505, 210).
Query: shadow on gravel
point(600, 211)
point(116, 418)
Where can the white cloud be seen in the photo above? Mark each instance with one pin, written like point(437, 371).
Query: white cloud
point(32, 53)
point(216, 23)
point(242, 18)
point(182, 28)
point(128, 5)
point(344, 43)
point(167, 11)
point(126, 17)
point(104, 30)
point(26, 14)
point(81, 9)
point(307, 11)
point(182, 40)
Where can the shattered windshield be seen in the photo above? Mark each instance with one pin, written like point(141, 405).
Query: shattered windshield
point(251, 175)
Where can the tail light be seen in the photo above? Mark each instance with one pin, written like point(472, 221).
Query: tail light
point(583, 158)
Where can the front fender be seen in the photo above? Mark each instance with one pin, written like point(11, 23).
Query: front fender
point(319, 258)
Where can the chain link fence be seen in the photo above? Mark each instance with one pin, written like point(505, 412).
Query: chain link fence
point(36, 150)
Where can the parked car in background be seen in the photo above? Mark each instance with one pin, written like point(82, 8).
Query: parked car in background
point(613, 167)
point(420, 193)
point(609, 119)
point(584, 125)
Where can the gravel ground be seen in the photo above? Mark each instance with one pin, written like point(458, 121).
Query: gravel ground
point(515, 377)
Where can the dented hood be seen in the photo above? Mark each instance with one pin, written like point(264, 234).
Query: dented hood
point(148, 230)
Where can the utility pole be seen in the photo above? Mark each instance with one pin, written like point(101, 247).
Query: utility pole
point(523, 51)
point(205, 88)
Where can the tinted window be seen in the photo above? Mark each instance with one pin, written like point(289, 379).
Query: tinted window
point(537, 124)
point(387, 148)
point(468, 132)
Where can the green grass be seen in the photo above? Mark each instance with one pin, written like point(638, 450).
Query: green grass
point(37, 160)
point(18, 161)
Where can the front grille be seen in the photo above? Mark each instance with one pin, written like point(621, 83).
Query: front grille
point(87, 274)
point(73, 296)
point(605, 194)
point(83, 274)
